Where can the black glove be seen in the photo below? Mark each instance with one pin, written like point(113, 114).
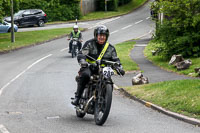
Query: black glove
point(83, 63)
point(120, 71)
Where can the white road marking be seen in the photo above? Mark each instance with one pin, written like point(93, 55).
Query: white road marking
point(148, 18)
point(144, 35)
point(126, 27)
point(83, 23)
point(53, 117)
point(138, 22)
point(14, 113)
point(64, 49)
point(38, 61)
point(116, 87)
point(114, 32)
point(104, 22)
point(107, 20)
point(20, 74)
point(140, 45)
point(3, 129)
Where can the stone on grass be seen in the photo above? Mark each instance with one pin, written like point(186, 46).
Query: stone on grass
point(156, 52)
point(197, 70)
point(183, 64)
point(175, 59)
point(153, 52)
point(139, 79)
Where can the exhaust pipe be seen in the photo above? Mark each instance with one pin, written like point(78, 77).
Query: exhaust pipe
point(86, 107)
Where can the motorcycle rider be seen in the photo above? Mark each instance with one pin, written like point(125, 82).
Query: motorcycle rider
point(94, 48)
point(76, 33)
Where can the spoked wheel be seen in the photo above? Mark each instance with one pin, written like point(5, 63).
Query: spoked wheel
point(73, 51)
point(103, 105)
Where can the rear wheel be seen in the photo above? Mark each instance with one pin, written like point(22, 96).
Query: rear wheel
point(103, 105)
point(9, 30)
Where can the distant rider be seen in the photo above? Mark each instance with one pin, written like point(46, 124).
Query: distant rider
point(93, 48)
point(76, 33)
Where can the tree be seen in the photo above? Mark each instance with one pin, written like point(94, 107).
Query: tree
point(1, 10)
point(180, 31)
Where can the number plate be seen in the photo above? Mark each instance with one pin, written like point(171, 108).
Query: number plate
point(108, 72)
point(74, 43)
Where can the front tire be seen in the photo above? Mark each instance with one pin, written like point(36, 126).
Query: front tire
point(9, 30)
point(73, 51)
point(41, 23)
point(103, 105)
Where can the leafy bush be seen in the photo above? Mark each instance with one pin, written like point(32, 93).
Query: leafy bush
point(56, 10)
point(123, 2)
point(1, 11)
point(180, 31)
point(111, 5)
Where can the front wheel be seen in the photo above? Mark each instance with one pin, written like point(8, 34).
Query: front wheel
point(73, 52)
point(103, 105)
point(41, 23)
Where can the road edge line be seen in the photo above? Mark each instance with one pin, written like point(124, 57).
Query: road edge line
point(20, 74)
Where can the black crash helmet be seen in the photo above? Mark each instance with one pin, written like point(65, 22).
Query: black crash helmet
point(101, 30)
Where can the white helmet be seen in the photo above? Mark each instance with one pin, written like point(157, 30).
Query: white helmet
point(75, 26)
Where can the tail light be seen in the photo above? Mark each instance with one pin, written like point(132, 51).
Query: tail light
point(45, 14)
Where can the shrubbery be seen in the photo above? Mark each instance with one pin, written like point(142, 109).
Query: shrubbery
point(112, 5)
point(123, 2)
point(56, 10)
point(180, 33)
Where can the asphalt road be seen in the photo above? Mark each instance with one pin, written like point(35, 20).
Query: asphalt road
point(37, 83)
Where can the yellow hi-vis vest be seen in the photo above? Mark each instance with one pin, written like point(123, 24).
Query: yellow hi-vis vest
point(76, 35)
point(100, 55)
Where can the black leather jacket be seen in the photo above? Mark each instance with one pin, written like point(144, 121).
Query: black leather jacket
point(93, 49)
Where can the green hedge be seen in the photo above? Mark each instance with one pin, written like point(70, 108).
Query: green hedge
point(56, 10)
point(112, 5)
point(180, 31)
point(123, 2)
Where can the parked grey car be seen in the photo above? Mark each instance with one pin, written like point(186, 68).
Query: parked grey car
point(6, 27)
point(28, 17)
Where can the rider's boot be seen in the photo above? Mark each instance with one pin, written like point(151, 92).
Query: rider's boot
point(77, 96)
point(75, 101)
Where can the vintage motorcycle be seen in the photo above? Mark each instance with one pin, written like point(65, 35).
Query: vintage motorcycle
point(97, 96)
point(74, 51)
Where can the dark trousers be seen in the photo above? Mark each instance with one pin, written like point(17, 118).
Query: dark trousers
point(84, 78)
point(79, 45)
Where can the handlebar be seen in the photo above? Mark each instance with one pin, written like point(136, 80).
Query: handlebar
point(112, 63)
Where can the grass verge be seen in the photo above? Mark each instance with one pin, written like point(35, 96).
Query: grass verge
point(123, 51)
point(163, 62)
point(23, 39)
point(180, 96)
point(121, 10)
